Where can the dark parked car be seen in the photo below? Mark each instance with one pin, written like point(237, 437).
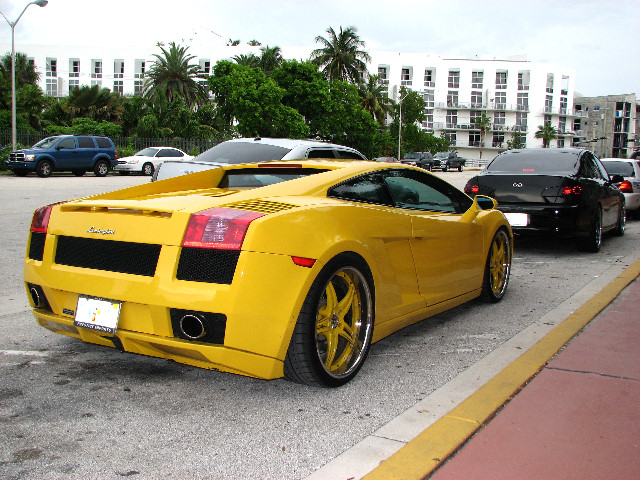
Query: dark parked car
point(420, 159)
point(450, 161)
point(75, 153)
point(565, 191)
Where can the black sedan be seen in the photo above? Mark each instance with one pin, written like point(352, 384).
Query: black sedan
point(565, 191)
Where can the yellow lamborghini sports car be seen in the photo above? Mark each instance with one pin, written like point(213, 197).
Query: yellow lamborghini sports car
point(278, 269)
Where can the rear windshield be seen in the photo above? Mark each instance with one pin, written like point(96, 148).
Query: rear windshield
point(619, 168)
point(534, 163)
point(261, 177)
point(241, 152)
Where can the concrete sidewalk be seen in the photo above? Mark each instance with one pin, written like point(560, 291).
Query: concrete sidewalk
point(574, 415)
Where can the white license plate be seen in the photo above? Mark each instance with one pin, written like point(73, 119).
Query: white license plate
point(518, 219)
point(97, 314)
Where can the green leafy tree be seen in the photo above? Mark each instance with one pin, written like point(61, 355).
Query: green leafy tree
point(26, 72)
point(515, 142)
point(547, 133)
point(88, 126)
point(413, 106)
point(30, 101)
point(173, 74)
point(93, 102)
point(133, 109)
point(270, 58)
point(249, 60)
point(341, 56)
point(375, 99)
point(482, 123)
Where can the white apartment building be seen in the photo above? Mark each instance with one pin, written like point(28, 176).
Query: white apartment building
point(518, 95)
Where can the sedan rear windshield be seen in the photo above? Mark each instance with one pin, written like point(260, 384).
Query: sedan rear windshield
point(619, 168)
point(534, 164)
point(241, 152)
point(261, 177)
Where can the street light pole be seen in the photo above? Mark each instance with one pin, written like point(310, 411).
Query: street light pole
point(400, 122)
point(14, 129)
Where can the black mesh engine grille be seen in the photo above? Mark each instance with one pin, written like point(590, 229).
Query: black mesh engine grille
point(209, 266)
point(36, 247)
point(109, 255)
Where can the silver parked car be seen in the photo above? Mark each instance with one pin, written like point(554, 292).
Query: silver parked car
point(147, 161)
point(629, 169)
point(256, 150)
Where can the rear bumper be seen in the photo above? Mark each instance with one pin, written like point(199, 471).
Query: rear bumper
point(566, 220)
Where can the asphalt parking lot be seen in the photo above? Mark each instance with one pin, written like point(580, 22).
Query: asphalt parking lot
point(72, 410)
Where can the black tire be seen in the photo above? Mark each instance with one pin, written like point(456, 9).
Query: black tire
point(593, 240)
point(44, 168)
point(101, 168)
point(147, 169)
point(460, 167)
point(21, 173)
point(622, 222)
point(497, 268)
point(329, 346)
point(124, 174)
point(79, 173)
point(445, 168)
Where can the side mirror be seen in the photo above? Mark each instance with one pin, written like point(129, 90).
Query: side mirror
point(480, 203)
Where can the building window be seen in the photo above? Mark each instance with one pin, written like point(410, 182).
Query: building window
point(405, 76)
point(563, 105)
point(523, 80)
point(498, 140)
point(476, 99)
point(73, 83)
point(74, 68)
point(452, 98)
point(96, 72)
point(118, 75)
point(454, 79)
point(138, 76)
point(451, 136)
point(429, 77)
point(474, 139)
point(549, 82)
point(477, 79)
point(499, 120)
point(548, 104)
point(521, 121)
point(52, 67)
point(564, 89)
point(205, 67)
point(501, 100)
point(523, 101)
point(428, 119)
point(473, 116)
point(52, 86)
point(577, 123)
point(452, 118)
point(562, 124)
point(429, 98)
point(501, 80)
point(383, 74)
point(560, 142)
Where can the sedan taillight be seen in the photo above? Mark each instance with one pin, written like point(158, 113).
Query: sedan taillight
point(218, 228)
point(625, 187)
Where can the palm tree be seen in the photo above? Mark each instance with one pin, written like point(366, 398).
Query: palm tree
point(375, 99)
point(173, 74)
point(25, 71)
point(250, 60)
point(92, 102)
point(547, 133)
point(341, 56)
point(482, 123)
point(270, 59)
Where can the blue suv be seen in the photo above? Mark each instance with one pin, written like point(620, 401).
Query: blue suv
point(77, 153)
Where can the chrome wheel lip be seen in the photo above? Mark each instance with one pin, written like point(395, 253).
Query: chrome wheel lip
point(364, 329)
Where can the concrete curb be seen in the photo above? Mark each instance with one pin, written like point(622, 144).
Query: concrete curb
point(422, 455)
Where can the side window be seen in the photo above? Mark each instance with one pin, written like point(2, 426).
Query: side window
point(588, 167)
point(366, 189)
point(176, 153)
point(103, 142)
point(85, 142)
point(165, 152)
point(66, 144)
point(415, 190)
point(321, 153)
point(349, 155)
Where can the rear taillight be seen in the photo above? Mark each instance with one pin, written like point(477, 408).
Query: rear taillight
point(40, 220)
point(568, 190)
point(625, 187)
point(218, 228)
point(471, 189)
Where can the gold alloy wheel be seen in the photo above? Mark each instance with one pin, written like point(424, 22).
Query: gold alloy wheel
point(499, 263)
point(343, 322)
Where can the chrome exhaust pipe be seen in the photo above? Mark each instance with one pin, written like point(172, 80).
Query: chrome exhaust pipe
point(36, 296)
point(193, 327)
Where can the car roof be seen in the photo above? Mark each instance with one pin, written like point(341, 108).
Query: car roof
point(288, 142)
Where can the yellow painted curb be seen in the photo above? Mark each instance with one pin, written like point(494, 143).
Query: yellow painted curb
point(422, 455)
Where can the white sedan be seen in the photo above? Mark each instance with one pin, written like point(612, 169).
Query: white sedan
point(146, 161)
point(629, 169)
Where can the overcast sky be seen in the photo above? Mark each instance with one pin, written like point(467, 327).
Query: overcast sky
point(599, 39)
